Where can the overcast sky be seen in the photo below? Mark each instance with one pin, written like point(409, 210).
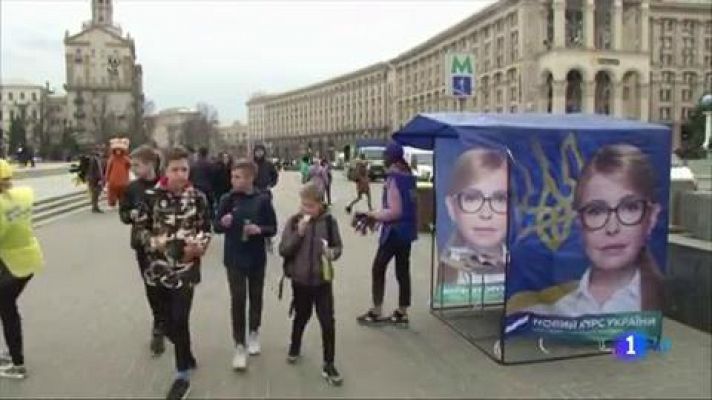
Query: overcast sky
point(220, 52)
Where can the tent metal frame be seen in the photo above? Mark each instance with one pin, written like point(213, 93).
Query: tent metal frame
point(437, 311)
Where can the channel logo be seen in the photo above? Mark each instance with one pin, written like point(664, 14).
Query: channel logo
point(632, 346)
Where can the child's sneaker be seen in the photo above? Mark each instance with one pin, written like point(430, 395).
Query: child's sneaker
point(179, 389)
point(13, 372)
point(370, 317)
point(239, 361)
point(253, 344)
point(331, 375)
point(158, 345)
point(293, 358)
point(399, 317)
point(5, 360)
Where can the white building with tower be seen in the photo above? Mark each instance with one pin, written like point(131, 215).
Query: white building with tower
point(103, 79)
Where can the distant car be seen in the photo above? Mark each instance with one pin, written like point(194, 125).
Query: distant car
point(421, 162)
point(681, 174)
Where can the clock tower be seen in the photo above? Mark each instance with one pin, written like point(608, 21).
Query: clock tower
point(102, 12)
point(103, 80)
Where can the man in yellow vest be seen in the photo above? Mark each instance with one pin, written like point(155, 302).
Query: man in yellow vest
point(20, 259)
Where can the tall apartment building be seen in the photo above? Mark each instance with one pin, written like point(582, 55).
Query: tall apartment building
point(641, 59)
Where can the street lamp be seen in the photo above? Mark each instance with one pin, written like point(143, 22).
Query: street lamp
point(706, 104)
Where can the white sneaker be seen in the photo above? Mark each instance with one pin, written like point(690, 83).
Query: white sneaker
point(5, 360)
point(253, 344)
point(239, 362)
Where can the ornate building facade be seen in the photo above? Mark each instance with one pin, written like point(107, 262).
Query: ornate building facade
point(641, 59)
point(103, 80)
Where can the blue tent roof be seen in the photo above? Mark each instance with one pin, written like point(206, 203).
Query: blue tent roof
point(422, 130)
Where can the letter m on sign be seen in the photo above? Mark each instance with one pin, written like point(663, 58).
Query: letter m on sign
point(461, 65)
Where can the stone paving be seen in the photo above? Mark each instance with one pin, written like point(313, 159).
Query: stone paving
point(87, 327)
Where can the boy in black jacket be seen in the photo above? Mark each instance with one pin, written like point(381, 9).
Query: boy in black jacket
point(247, 218)
point(132, 207)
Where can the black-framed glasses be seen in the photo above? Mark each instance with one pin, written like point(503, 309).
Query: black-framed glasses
point(471, 201)
point(629, 211)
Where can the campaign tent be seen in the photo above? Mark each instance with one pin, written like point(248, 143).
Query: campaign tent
point(550, 230)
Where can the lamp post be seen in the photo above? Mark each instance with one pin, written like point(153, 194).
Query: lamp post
point(706, 104)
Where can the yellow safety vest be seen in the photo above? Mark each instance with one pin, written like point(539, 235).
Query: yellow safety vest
point(19, 248)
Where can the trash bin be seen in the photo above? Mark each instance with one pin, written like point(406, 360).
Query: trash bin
point(426, 203)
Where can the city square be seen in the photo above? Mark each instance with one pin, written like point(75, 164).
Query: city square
point(541, 172)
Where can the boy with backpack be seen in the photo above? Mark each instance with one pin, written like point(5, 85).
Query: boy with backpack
point(132, 208)
point(246, 216)
point(310, 243)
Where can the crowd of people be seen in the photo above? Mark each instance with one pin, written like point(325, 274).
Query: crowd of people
point(177, 202)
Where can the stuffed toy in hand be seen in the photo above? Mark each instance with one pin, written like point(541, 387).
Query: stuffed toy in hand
point(363, 223)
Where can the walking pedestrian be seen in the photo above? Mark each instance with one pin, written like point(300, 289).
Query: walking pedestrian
point(247, 218)
point(95, 177)
point(310, 243)
point(221, 183)
point(117, 170)
point(133, 208)
point(319, 176)
point(202, 173)
point(327, 190)
point(398, 231)
point(20, 260)
point(175, 235)
point(304, 167)
point(363, 183)
point(267, 175)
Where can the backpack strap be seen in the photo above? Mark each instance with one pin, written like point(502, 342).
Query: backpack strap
point(289, 225)
point(330, 230)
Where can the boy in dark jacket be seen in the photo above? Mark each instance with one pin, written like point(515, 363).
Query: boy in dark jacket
point(310, 242)
point(246, 217)
point(175, 233)
point(132, 207)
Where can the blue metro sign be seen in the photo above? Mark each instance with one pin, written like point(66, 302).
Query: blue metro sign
point(462, 85)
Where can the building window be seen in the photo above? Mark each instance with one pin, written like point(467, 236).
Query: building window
point(665, 94)
point(686, 94)
point(34, 114)
point(669, 24)
point(22, 95)
point(684, 113)
point(12, 115)
point(690, 78)
point(34, 96)
point(10, 96)
point(0, 115)
point(665, 113)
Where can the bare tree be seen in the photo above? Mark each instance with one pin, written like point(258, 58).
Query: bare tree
point(203, 130)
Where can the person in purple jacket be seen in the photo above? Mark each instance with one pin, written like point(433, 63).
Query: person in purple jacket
point(399, 230)
point(319, 175)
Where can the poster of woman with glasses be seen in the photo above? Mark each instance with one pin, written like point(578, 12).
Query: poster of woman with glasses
point(476, 202)
point(616, 212)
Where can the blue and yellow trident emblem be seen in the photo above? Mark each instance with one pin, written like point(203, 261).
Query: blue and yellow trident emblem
point(552, 212)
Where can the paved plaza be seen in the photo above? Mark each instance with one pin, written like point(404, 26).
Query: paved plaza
point(87, 327)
